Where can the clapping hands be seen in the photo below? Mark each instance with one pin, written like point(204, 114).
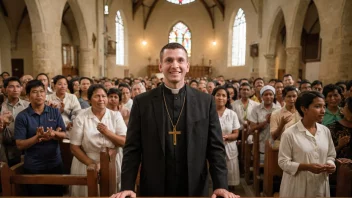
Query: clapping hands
point(48, 135)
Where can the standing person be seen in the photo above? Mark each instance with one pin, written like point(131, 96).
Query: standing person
point(307, 152)
point(230, 126)
point(173, 132)
point(258, 85)
point(46, 81)
point(279, 87)
point(285, 117)
point(244, 106)
point(333, 97)
point(288, 80)
point(95, 128)
point(12, 106)
point(42, 150)
point(82, 95)
point(114, 103)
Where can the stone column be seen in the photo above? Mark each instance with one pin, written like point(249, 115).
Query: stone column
point(270, 66)
point(86, 63)
point(47, 54)
point(292, 61)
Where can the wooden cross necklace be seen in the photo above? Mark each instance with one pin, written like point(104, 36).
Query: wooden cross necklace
point(174, 132)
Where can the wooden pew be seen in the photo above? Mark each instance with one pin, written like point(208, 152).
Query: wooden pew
point(106, 177)
point(66, 155)
point(256, 164)
point(271, 169)
point(344, 180)
point(247, 157)
point(241, 147)
point(108, 182)
point(12, 178)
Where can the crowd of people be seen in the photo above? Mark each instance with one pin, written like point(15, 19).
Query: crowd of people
point(310, 123)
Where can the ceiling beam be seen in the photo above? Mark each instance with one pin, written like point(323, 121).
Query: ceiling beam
point(209, 13)
point(135, 5)
point(221, 7)
point(3, 8)
point(150, 13)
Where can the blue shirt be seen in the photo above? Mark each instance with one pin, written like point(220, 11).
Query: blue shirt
point(42, 155)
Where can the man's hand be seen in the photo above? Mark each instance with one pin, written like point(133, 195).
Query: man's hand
point(286, 120)
point(343, 141)
point(344, 160)
point(62, 107)
point(220, 192)
point(123, 194)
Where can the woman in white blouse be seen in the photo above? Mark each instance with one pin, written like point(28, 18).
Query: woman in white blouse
point(307, 152)
point(95, 128)
point(229, 126)
point(66, 102)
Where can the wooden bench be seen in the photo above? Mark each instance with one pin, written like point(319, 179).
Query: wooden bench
point(247, 156)
point(241, 147)
point(12, 178)
point(344, 180)
point(257, 179)
point(271, 169)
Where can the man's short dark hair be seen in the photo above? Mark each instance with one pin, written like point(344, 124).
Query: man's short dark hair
point(317, 82)
point(121, 85)
point(242, 79)
point(33, 84)
point(245, 84)
point(288, 89)
point(86, 78)
point(10, 79)
point(115, 91)
point(94, 87)
point(257, 80)
point(4, 73)
point(340, 84)
point(305, 99)
point(330, 88)
point(273, 80)
point(43, 74)
point(287, 75)
point(304, 82)
point(59, 77)
point(172, 46)
point(192, 81)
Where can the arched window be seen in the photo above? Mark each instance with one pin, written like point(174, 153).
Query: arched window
point(180, 2)
point(120, 44)
point(239, 39)
point(181, 34)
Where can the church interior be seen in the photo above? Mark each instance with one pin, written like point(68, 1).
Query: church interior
point(230, 40)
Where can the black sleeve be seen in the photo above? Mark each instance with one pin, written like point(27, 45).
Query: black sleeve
point(132, 150)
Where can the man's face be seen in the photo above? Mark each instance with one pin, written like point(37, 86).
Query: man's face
point(288, 81)
point(202, 88)
point(174, 66)
point(44, 80)
point(245, 91)
point(259, 84)
point(306, 87)
point(13, 89)
point(37, 96)
point(107, 85)
point(210, 87)
point(268, 97)
point(136, 90)
point(318, 88)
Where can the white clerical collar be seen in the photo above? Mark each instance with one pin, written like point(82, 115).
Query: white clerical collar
point(173, 91)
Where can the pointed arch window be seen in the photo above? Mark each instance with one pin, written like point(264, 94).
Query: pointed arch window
point(120, 40)
point(180, 2)
point(180, 34)
point(239, 39)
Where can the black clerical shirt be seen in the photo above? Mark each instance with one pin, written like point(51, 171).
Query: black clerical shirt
point(176, 155)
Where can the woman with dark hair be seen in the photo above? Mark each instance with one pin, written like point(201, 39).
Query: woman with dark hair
point(333, 98)
point(67, 103)
point(73, 85)
point(229, 126)
point(279, 87)
point(307, 152)
point(82, 95)
point(95, 128)
point(285, 117)
point(233, 93)
point(341, 132)
point(114, 103)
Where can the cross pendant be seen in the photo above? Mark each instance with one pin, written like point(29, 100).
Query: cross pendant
point(174, 133)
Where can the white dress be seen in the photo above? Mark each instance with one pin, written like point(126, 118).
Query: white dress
point(297, 146)
point(84, 133)
point(229, 122)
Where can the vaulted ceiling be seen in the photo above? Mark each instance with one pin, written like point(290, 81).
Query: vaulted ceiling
point(151, 4)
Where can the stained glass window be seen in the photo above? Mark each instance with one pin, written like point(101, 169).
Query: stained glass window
point(120, 44)
point(180, 2)
point(239, 39)
point(181, 34)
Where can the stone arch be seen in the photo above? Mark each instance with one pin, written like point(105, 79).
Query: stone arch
point(345, 68)
point(35, 15)
point(80, 22)
point(271, 54)
point(294, 36)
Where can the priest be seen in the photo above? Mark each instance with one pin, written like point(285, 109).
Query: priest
point(173, 132)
